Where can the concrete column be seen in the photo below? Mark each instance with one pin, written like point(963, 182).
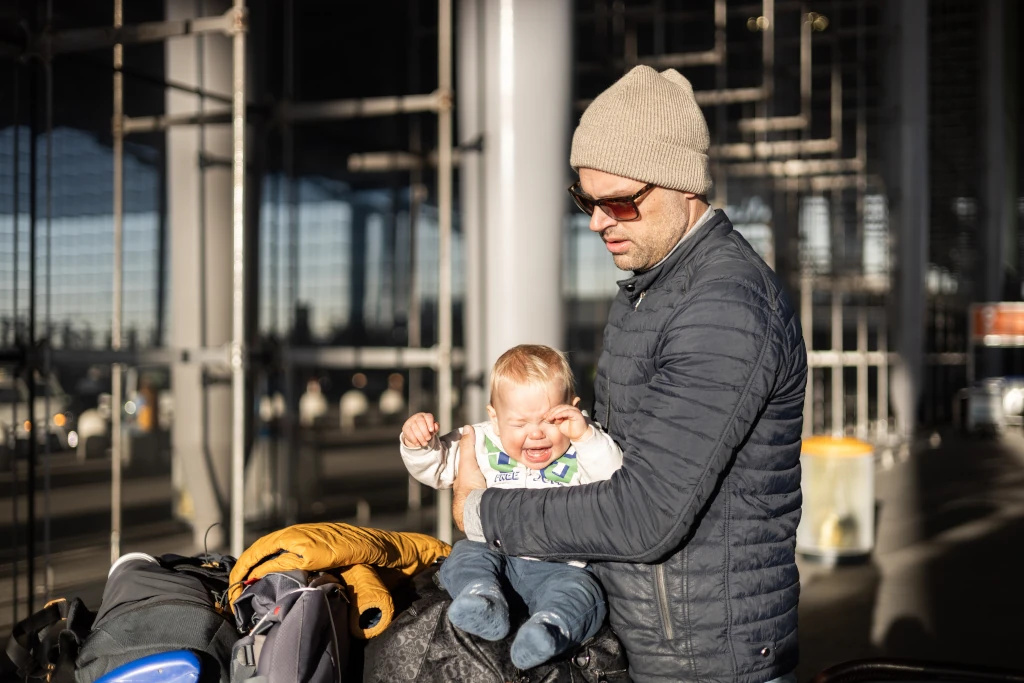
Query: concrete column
point(998, 200)
point(912, 205)
point(201, 258)
point(470, 108)
point(514, 88)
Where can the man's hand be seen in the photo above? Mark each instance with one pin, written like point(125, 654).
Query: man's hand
point(418, 430)
point(468, 478)
point(570, 422)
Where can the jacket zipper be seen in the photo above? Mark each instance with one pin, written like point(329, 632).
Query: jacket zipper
point(686, 612)
point(608, 404)
point(659, 585)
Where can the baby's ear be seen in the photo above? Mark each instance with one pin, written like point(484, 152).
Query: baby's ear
point(575, 401)
point(491, 413)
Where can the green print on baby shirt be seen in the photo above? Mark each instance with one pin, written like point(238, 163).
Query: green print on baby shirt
point(498, 460)
point(561, 471)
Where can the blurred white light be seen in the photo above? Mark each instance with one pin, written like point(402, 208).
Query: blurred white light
point(129, 407)
point(73, 439)
point(1013, 402)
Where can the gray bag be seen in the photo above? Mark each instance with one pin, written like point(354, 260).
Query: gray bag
point(295, 627)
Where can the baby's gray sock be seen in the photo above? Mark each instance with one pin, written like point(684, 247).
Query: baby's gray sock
point(480, 609)
point(539, 639)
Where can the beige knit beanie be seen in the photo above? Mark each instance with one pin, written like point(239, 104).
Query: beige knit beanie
point(648, 127)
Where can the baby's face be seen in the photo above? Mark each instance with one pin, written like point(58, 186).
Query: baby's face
point(518, 418)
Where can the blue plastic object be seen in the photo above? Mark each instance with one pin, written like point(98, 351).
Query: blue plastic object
point(179, 666)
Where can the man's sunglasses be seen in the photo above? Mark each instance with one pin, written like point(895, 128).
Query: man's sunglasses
point(619, 208)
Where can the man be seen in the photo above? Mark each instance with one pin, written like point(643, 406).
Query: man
point(701, 382)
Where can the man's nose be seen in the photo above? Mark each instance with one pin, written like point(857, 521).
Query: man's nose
point(601, 221)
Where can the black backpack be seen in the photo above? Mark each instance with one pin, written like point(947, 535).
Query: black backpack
point(150, 605)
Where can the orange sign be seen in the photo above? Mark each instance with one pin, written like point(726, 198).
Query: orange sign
point(997, 320)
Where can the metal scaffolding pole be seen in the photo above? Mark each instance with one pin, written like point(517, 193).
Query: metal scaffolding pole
point(33, 209)
point(14, 289)
point(47, 482)
point(288, 510)
point(115, 333)
point(238, 29)
point(444, 205)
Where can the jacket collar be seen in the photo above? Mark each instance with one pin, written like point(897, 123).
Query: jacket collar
point(635, 286)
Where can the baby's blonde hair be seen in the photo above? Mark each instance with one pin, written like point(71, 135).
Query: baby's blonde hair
point(533, 364)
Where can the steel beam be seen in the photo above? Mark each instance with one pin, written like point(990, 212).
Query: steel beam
point(47, 44)
point(777, 148)
point(150, 124)
point(795, 167)
point(368, 357)
point(385, 162)
point(212, 357)
point(367, 107)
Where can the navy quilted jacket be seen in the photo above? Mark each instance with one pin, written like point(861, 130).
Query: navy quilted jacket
point(701, 381)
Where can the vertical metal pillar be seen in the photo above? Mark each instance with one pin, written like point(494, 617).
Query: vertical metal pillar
point(472, 200)
point(15, 258)
point(47, 317)
point(202, 315)
point(882, 424)
point(527, 66)
point(862, 371)
point(838, 390)
point(444, 206)
point(238, 284)
point(33, 418)
point(997, 201)
point(807, 325)
point(289, 508)
point(913, 208)
point(117, 400)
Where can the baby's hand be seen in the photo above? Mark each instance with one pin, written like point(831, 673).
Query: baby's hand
point(570, 421)
point(418, 430)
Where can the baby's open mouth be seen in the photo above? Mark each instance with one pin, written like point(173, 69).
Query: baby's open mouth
point(536, 454)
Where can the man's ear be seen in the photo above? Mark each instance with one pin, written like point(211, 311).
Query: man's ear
point(494, 418)
point(575, 401)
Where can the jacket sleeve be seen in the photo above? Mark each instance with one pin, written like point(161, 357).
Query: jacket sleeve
point(716, 365)
point(436, 464)
point(598, 457)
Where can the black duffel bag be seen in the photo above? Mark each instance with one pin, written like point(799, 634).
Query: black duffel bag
point(422, 645)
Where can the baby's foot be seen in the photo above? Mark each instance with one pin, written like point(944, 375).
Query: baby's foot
point(539, 639)
point(480, 609)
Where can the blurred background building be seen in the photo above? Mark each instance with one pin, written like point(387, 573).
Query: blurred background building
point(403, 219)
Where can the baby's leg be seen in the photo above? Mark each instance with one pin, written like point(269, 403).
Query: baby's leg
point(567, 607)
point(471, 576)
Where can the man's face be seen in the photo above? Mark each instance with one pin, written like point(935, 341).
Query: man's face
point(637, 245)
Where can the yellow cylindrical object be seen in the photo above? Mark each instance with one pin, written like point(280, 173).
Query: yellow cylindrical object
point(838, 482)
point(370, 604)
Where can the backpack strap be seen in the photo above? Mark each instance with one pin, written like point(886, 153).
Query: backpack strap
point(45, 644)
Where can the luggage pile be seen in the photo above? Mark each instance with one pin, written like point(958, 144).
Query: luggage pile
point(315, 603)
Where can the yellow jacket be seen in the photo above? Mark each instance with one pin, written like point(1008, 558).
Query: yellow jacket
point(355, 550)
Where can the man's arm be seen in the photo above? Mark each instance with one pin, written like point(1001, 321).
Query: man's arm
point(716, 371)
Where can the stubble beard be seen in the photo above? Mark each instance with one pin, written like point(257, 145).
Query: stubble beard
point(641, 257)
